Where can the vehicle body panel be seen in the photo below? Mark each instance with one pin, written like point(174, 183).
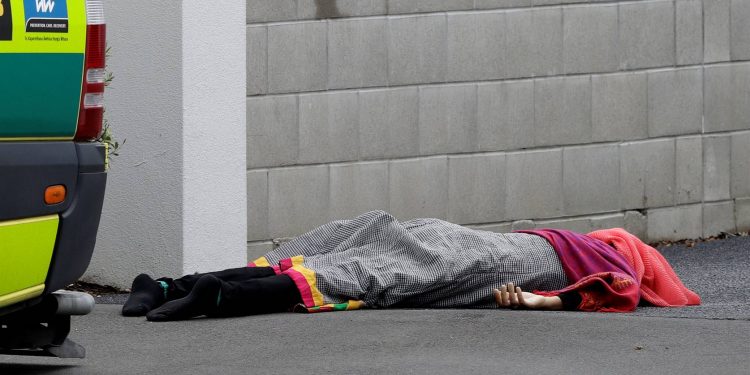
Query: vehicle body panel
point(26, 248)
point(41, 68)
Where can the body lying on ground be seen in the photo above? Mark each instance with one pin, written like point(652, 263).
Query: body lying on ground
point(375, 261)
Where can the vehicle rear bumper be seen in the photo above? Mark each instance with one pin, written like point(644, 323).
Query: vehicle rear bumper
point(26, 168)
point(76, 236)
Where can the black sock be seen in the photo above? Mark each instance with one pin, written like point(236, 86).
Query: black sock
point(202, 300)
point(145, 295)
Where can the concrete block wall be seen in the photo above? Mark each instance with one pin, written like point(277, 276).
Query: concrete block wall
point(499, 114)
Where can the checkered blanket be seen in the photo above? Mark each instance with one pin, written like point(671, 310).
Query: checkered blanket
point(376, 261)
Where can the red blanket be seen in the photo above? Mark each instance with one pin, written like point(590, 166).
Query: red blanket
point(659, 285)
point(612, 270)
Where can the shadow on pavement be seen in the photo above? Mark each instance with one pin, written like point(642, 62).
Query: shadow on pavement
point(24, 368)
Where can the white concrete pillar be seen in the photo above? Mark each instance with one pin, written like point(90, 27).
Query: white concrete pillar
point(214, 181)
point(176, 195)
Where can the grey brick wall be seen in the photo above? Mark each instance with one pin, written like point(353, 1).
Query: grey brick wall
point(499, 114)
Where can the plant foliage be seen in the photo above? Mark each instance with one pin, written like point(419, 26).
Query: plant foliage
point(113, 145)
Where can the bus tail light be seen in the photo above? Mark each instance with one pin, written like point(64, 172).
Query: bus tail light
point(91, 113)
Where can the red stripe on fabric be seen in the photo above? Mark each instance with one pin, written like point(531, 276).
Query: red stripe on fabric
point(251, 264)
point(302, 285)
point(276, 269)
point(286, 264)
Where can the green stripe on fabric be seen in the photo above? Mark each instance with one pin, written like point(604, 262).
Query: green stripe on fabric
point(40, 94)
point(340, 306)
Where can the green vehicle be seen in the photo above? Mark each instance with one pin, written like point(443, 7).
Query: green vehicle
point(52, 171)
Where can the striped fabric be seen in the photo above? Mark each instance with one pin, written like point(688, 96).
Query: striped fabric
point(376, 261)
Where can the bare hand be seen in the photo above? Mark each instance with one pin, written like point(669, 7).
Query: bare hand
point(510, 296)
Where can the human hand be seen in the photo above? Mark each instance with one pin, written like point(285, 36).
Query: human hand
point(510, 296)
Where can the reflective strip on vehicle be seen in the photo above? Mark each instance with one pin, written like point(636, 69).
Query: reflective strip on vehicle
point(26, 248)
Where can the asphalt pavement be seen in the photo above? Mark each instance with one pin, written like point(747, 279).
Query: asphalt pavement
point(713, 338)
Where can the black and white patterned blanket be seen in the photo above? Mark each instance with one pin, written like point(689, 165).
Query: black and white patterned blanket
point(420, 263)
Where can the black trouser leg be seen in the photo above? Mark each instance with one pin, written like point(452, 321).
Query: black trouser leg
point(178, 288)
point(258, 296)
point(213, 297)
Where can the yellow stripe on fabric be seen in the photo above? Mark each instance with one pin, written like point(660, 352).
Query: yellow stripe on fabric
point(261, 262)
point(21, 295)
point(344, 306)
point(298, 265)
point(355, 305)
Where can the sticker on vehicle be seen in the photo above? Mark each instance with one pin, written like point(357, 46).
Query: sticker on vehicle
point(46, 16)
point(42, 26)
point(6, 20)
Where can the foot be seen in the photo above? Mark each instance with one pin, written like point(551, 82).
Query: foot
point(145, 295)
point(510, 296)
point(202, 300)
